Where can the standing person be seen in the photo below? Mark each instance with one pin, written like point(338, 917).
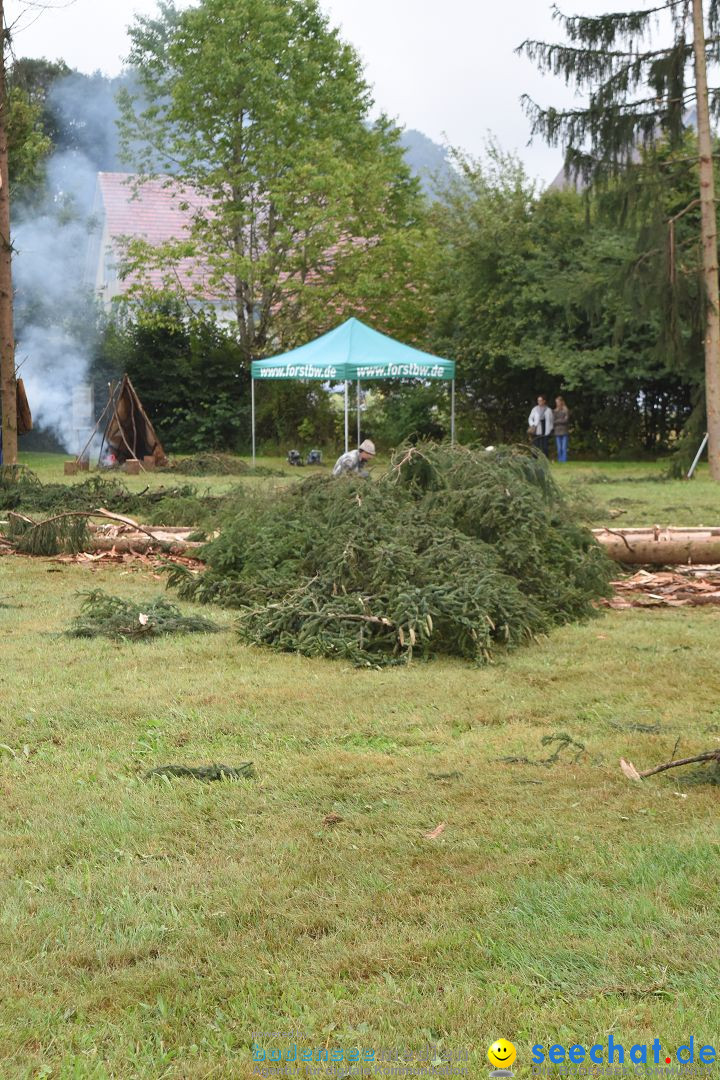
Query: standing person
point(561, 426)
point(352, 463)
point(541, 425)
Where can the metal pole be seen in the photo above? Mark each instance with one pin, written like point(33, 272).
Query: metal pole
point(358, 410)
point(347, 430)
point(252, 411)
point(452, 413)
point(698, 456)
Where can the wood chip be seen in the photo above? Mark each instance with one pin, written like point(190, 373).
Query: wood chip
point(437, 831)
point(666, 588)
point(629, 769)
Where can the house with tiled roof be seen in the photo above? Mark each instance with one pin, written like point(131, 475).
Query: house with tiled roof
point(157, 211)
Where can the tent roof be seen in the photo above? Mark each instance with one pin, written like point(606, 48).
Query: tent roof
point(354, 351)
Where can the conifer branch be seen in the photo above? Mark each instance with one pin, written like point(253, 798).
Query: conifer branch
point(603, 30)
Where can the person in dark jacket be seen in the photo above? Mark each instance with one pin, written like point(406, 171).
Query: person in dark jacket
point(561, 427)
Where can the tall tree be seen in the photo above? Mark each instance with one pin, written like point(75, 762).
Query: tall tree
point(639, 98)
point(260, 107)
point(8, 388)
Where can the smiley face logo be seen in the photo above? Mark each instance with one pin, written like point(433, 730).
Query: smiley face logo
point(502, 1054)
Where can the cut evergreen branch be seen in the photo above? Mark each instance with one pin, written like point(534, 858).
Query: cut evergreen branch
point(66, 532)
point(103, 615)
point(183, 504)
point(452, 551)
point(63, 535)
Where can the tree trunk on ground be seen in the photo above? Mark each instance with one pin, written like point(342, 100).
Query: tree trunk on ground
point(709, 245)
point(659, 547)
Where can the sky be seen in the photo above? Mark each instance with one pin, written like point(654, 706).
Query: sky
point(444, 67)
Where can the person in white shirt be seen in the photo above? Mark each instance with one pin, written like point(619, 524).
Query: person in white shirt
point(351, 464)
point(540, 423)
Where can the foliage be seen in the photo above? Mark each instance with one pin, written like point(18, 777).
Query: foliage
point(28, 145)
point(556, 293)
point(633, 138)
point(301, 199)
point(63, 535)
point(452, 551)
point(188, 370)
point(179, 505)
point(399, 412)
point(637, 95)
point(103, 615)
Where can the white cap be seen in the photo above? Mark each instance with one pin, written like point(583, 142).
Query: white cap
point(368, 447)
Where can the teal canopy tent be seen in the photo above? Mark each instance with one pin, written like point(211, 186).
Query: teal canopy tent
point(354, 352)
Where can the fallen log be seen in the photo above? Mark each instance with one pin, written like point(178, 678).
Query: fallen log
point(143, 544)
point(117, 533)
point(659, 546)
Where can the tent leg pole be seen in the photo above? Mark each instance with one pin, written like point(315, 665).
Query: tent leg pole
point(347, 430)
point(358, 411)
point(252, 412)
point(452, 413)
point(693, 467)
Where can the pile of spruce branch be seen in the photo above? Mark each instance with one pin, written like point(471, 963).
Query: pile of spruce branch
point(21, 491)
point(452, 551)
point(103, 615)
point(208, 464)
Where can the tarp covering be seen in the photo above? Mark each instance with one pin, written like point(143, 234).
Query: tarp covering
point(129, 432)
point(354, 351)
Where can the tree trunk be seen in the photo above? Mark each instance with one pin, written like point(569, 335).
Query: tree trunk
point(8, 389)
point(660, 546)
point(709, 245)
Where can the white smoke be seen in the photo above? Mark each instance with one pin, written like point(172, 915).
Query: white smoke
point(55, 311)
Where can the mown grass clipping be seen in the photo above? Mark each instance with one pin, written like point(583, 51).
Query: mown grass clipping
point(452, 551)
point(103, 615)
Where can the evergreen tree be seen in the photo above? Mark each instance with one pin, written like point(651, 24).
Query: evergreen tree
point(639, 100)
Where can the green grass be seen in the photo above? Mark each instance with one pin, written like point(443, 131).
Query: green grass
point(148, 928)
point(641, 492)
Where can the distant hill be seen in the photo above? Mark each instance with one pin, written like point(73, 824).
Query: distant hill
point(428, 160)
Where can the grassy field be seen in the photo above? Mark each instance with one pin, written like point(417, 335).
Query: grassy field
point(149, 928)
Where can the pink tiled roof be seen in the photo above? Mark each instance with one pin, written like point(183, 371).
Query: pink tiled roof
point(157, 211)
